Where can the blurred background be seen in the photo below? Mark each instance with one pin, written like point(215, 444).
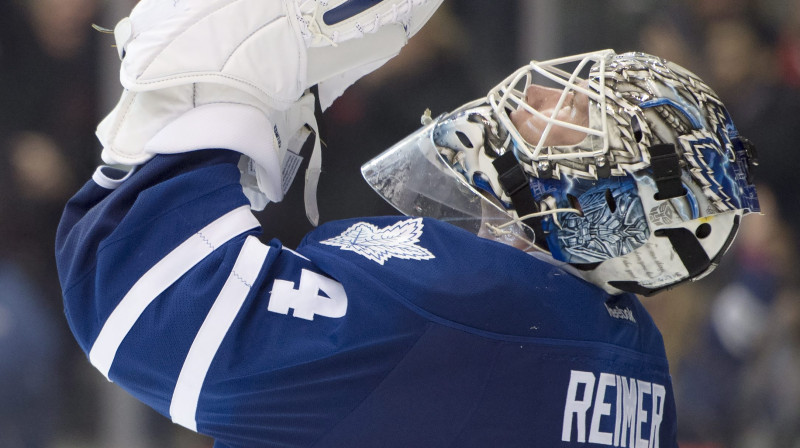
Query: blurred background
point(733, 339)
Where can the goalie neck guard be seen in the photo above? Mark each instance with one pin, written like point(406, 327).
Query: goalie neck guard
point(630, 170)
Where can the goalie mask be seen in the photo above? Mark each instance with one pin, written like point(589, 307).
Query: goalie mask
point(625, 168)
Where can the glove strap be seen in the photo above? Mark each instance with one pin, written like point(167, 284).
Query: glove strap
point(315, 163)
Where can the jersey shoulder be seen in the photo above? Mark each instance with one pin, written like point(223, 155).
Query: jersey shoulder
point(452, 276)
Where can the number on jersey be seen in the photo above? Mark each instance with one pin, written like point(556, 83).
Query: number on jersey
point(306, 300)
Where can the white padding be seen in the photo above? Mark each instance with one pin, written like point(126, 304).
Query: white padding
point(238, 127)
point(327, 62)
point(251, 45)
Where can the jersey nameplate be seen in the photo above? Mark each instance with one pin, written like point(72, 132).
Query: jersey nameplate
point(396, 241)
point(613, 410)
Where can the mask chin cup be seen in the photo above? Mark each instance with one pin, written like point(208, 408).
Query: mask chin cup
point(692, 258)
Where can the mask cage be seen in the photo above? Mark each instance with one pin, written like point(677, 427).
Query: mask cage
point(509, 95)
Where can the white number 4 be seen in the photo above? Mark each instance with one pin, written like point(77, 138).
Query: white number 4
point(306, 300)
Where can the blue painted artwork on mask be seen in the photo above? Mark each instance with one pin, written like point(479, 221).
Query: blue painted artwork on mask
point(612, 223)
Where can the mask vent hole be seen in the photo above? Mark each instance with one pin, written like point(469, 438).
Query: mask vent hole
point(612, 204)
point(636, 127)
point(574, 203)
point(464, 139)
point(703, 231)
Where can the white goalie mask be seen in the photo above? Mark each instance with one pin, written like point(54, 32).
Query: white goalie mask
point(625, 167)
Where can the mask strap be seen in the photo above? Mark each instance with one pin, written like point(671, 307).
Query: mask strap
point(666, 171)
point(516, 185)
point(749, 151)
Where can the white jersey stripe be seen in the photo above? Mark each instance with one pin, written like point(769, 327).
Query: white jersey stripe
point(160, 277)
point(183, 407)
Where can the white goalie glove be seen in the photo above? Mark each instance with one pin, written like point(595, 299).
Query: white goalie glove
point(235, 74)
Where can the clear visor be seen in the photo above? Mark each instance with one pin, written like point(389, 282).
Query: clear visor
point(413, 178)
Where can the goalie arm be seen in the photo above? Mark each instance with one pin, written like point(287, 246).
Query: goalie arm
point(166, 287)
point(172, 297)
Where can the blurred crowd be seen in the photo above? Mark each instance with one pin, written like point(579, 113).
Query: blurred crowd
point(733, 339)
point(48, 111)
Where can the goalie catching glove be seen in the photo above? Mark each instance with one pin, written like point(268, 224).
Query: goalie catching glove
point(236, 74)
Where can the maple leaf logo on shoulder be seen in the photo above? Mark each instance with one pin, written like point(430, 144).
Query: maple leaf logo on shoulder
point(396, 241)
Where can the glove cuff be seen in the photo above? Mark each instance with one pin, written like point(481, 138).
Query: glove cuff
point(238, 127)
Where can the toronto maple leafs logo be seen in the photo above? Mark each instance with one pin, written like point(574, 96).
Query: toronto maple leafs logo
point(398, 240)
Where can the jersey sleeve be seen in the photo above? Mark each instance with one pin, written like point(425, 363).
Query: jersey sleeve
point(171, 294)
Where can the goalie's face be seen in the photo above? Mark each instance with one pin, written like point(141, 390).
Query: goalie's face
point(545, 122)
point(554, 106)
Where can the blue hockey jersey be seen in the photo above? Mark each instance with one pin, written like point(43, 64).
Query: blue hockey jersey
point(376, 332)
